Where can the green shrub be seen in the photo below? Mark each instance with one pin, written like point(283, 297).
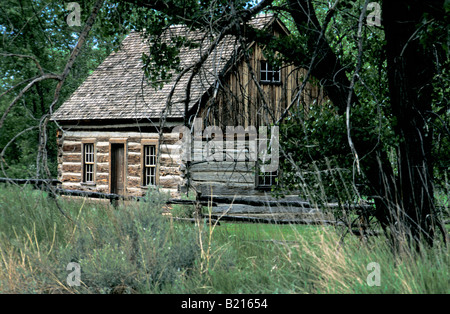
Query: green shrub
point(133, 246)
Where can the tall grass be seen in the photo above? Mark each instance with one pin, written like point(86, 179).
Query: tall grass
point(313, 259)
point(137, 249)
point(131, 248)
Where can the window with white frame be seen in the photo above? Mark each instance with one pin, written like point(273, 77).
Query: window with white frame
point(88, 162)
point(149, 165)
point(268, 73)
point(265, 179)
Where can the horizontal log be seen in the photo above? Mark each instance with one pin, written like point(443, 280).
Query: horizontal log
point(228, 166)
point(74, 148)
point(30, 181)
point(112, 196)
point(102, 158)
point(274, 220)
point(71, 167)
point(215, 188)
point(102, 149)
point(102, 178)
point(225, 177)
point(277, 203)
point(133, 182)
point(169, 148)
point(105, 136)
point(71, 185)
point(174, 201)
point(164, 171)
point(134, 170)
point(194, 220)
point(170, 138)
point(109, 196)
point(134, 159)
point(169, 160)
point(71, 157)
point(169, 181)
point(257, 201)
point(249, 209)
point(102, 167)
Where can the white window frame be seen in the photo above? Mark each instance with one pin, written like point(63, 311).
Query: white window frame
point(88, 175)
point(267, 73)
point(150, 167)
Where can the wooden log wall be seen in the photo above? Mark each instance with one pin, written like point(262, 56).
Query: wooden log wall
point(70, 161)
point(223, 175)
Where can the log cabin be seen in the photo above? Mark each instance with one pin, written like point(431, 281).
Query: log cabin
point(118, 133)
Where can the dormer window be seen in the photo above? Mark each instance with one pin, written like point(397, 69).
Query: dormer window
point(269, 74)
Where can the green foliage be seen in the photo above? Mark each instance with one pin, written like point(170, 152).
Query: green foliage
point(161, 63)
point(310, 259)
point(441, 125)
point(134, 246)
point(39, 29)
point(24, 210)
point(320, 164)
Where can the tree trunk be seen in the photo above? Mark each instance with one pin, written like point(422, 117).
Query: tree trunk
point(329, 70)
point(410, 72)
point(405, 204)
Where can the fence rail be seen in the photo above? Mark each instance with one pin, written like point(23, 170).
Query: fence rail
point(36, 182)
point(50, 185)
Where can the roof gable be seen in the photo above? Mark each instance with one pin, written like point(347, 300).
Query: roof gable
point(118, 89)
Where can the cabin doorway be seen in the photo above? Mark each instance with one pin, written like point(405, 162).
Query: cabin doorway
point(118, 169)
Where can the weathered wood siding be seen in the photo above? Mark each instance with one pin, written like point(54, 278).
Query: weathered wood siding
point(242, 99)
point(226, 172)
point(223, 177)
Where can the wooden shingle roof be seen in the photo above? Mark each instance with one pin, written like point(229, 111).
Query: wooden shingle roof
point(118, 89)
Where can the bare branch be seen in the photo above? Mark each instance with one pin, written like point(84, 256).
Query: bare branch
point(42, 152)
point(24, 90)
point(24, 56)
point(15, 86)
point(352, 84)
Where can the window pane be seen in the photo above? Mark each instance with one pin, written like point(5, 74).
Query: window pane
point(153, 155)
point(264, 66)
point(263, 71)
point(152, 176)
point(276, 76)
point(88, 173)
point(88, 167)
point(263, 76)
point(268, 73)
point(146, 160)
point(267, 179)
point(149, 171)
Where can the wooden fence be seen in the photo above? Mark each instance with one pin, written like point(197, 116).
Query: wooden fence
point(225, 208)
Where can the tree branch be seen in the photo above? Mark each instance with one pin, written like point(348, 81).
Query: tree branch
point(24, 90)
point(46, 118)
point(24, 56)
